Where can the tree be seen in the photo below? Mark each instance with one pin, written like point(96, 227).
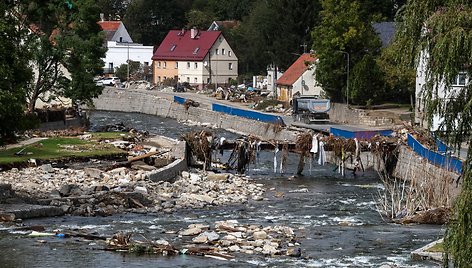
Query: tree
point(65, 42)
point(344, 28)
point(149, 21)
point(399, 80)
point(367, 84)
point(199, 19)
point(442, 31)
point(15, 74)
point(137, 71)
point(274, 32)
point(113, 9)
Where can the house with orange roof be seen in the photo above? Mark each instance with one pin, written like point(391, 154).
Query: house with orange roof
point(197, 57)
point(121, 47)
point(299, 79)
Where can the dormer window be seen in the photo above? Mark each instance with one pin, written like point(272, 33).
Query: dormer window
point(196, 50)
point(173, 47)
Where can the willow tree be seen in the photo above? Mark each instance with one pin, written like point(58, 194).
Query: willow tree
point(441, 33)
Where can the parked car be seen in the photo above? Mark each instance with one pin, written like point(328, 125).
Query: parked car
point(110, 81)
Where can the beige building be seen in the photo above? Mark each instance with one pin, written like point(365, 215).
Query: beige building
point(197, 57)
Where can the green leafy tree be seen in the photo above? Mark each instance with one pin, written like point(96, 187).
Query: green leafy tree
point(15, 74)
point(344, 29)
point(367, 84)
point(399, 80)
point(274, 32)
point(137, 71)
point(65, 42)
point(442, 31)
point(199, 19)
point(149, 21)
point(113, 9)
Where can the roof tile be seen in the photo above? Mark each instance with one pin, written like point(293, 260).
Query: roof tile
point(291, 75)
point(186, 48)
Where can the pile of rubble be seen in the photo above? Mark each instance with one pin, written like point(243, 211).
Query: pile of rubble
point(91, 191)
point(225, 239)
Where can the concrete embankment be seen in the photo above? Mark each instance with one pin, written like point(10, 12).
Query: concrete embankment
point(140, 102)
point(408, 166)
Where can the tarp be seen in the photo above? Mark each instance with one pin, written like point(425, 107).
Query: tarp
point(443, 160)
point(268, 118)
point(359, 134)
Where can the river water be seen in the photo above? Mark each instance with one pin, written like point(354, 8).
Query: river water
point(334, 218)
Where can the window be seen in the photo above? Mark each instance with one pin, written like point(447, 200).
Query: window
point(165, 77)
point(110, 66)
point(208, 80)
point(230, 66)
point(229, 53)
point(158, 79)
point(196, 65)
point(165, 64)
point(188, 65)
point(188, 79)
point(176, 65)
point(222, 51)
point(146, 63)
point(121, 39)
point(217, 51)
point(158, 64)
point(195, 80)
point(459, 80)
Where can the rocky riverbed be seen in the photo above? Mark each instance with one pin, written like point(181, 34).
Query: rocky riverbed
point(92, 192)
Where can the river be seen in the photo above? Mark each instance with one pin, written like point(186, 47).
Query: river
point(334, 218)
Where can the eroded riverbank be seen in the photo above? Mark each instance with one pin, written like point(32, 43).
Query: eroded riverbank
point(334, 219)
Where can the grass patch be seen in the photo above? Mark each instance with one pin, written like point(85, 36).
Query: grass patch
point(109, 135)
point(57, 148)
point(439, 247)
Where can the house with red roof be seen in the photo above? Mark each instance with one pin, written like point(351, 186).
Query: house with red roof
point(196, 57)
point(121, 47)
point(299, 79)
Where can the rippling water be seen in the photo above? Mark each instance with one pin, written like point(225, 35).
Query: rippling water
point(334, 218)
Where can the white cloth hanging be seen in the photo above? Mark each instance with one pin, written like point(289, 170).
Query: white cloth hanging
point(322, 154)
point(314, 144)
point(275, 158)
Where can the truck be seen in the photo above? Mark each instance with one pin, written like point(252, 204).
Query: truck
point(311, 109)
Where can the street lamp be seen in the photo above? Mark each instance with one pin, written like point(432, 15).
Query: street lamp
point(347, 81)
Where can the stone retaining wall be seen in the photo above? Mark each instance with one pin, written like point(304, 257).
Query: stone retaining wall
point(140, 102)
point(169, 172)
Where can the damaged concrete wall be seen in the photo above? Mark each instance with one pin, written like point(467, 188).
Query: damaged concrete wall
point(132, 101)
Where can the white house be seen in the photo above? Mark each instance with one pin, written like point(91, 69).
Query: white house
point(121, 47)
point(459, 82)
point(299, 78)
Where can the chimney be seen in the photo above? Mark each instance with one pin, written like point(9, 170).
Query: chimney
point(193, 33)
point(102, 17)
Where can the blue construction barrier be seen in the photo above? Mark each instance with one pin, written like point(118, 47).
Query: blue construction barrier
point(248, 114)
point(179, 100)
point(362, 134)
point(447, 162)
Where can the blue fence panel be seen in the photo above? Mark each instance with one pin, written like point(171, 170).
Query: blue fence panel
point(179, 100)
point(248, 114)
point(365, 134)
point(444, 161)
